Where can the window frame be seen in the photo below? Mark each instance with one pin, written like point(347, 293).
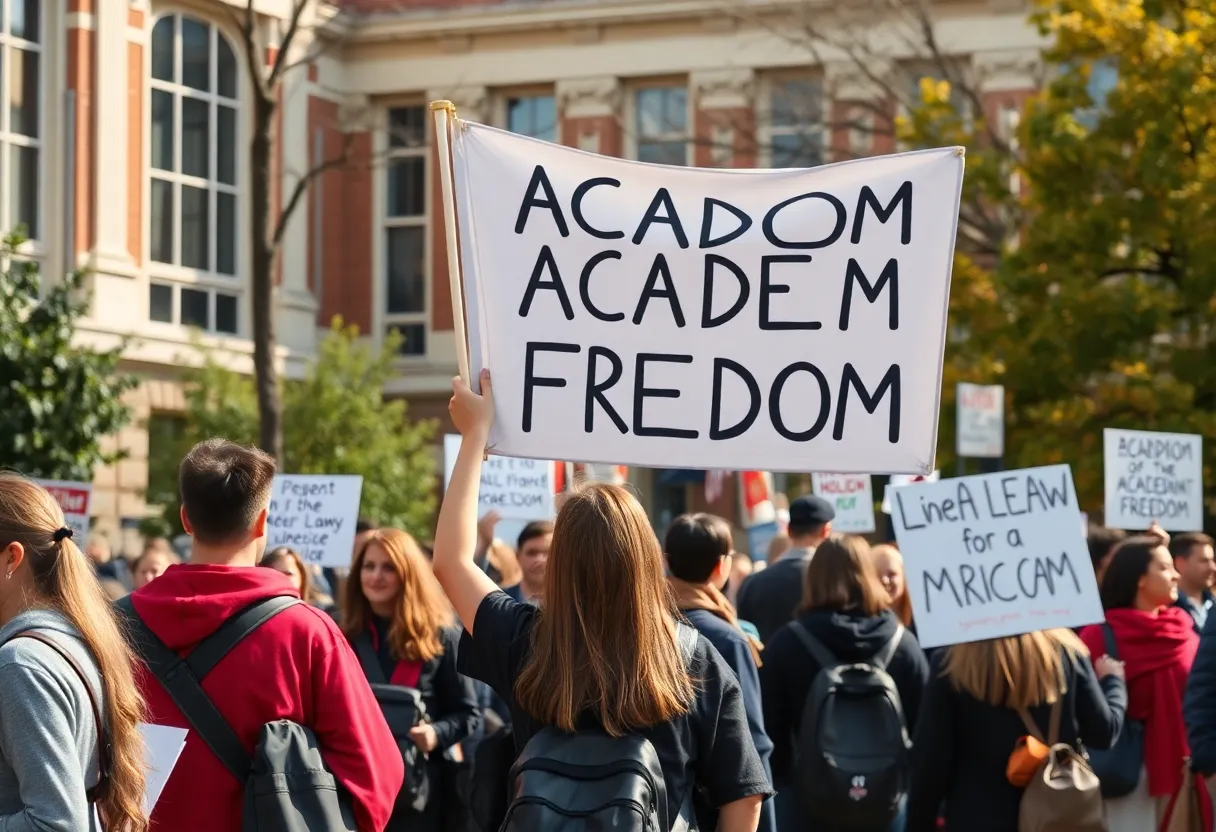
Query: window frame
point(768, 130)
point(502, 99)
point(633, 135)
point(382, 319)
point(180, 278)
point(46, 47)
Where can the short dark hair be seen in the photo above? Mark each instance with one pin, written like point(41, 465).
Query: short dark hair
point(365, 524)
point(224, 486)
point(535, 529)
point(1181, 545)
point(694, 545)
point(1121, 581)
point(1102, 542)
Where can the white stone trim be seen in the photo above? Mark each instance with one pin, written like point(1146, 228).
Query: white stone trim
point(732, 88)
point(1011, 70)
point(110, 173)
point(588, 97)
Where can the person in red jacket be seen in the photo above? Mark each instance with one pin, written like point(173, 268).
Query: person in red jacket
point(297, 666)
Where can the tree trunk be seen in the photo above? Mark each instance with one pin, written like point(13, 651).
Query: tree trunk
point(265, 341)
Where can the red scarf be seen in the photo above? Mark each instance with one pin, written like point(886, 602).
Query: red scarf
point(1157, 649)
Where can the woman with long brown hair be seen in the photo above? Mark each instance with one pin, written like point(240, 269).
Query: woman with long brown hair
point(288, 561)
point(69, 728)
point(403, 632)
point(846, 611)
point(602, 652)
point(975, 710)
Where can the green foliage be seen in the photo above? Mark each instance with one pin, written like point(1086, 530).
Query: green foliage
point(1101, 314)
point(336, 421)
point(57, 400)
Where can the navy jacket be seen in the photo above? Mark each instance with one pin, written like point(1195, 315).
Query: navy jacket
point(1199, 705)
point(770, 597)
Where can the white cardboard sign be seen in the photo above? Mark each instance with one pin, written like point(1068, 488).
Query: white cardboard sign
point(693, 318)
point(518, 489)
point(852, 497)
point(315, 514)
point(164, 744)
point(981, 420)
point(899, 481)
point(1153, 476)
point(74, 498)
point(995, 555)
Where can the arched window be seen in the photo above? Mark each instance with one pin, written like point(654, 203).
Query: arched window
point(21, 128)
point(194, 172)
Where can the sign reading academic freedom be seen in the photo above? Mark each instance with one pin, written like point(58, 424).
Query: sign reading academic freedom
point(1151, 477)
point(995, 555)
point(681, 317)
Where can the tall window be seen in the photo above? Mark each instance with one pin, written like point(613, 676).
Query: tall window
point(405, 288)
point(661, 125)
point(795, 124)
point(21, 114)
point(193, 188)
point(534, 115)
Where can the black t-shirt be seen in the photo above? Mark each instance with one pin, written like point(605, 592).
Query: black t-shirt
point(710, 746)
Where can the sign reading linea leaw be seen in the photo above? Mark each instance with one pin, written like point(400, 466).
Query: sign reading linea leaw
point(995, 555)
point(680, 317)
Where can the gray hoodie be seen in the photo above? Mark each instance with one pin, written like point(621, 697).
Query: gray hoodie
point(48, 738)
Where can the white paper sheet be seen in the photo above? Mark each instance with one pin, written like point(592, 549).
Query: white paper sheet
point(164, 746)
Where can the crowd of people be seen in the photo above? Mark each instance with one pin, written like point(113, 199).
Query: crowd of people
point(590, 676)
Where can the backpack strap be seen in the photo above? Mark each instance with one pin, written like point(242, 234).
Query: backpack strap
point(686, 638)
point(181, 677)
point(814, 646)
point(1108, 636)
point(1053, 729)
point(882, 659)
point(103, 748)
point(368, 659)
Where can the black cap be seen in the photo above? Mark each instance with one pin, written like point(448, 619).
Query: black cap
point(811, 510)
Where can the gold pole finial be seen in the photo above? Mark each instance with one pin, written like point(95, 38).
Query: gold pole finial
point(444, 105)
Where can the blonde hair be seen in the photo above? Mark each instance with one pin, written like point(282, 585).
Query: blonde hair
point(63, 579)
point(901, 606)
point(1015, 671)
point(421, 610)
point(604, 640)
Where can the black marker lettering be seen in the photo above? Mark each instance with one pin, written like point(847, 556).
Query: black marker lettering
point(716, 431)
point(576, 207)
point(768, 289)
point(595, 389)
point(708, 321)
point(771, 217)
point(662, 199)
point(532, 381)
point(659, 270)
point(540, 181)
point(641, 392)
point(774, 402)
point(853, 272)
point(890, 381)
point(543, 260)
point(903, 195)
point(584, 287)
point(707, 221)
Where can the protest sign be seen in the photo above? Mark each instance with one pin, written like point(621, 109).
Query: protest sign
point(164, 744)
point(315, 514)
point(690, 318)
point(900, 480)
point(981, 420)
point(1153, 476)
point(995, 555)
point(851, 496)
point(518, 489)
point(74, 498)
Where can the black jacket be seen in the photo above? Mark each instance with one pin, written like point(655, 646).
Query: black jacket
point(769, 598)
point(788, 671)
point(961, 747)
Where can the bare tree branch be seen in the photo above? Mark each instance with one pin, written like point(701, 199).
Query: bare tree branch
point(304, 182)
point(293, 27)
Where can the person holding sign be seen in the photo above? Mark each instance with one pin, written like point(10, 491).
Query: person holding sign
point(402, 630)
point(69, 727)
point(1158, 643)
point(971, 721)
point(606, 645)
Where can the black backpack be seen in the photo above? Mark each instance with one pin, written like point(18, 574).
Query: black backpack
point(853, 747)
point(286, 783)
point(403, 709)
point(589, 780)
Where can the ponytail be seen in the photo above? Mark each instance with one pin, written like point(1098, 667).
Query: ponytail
point(63, 579)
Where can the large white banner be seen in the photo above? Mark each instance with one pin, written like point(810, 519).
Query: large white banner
point(1153, 476)
point(677, 317)
point(995, 555)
